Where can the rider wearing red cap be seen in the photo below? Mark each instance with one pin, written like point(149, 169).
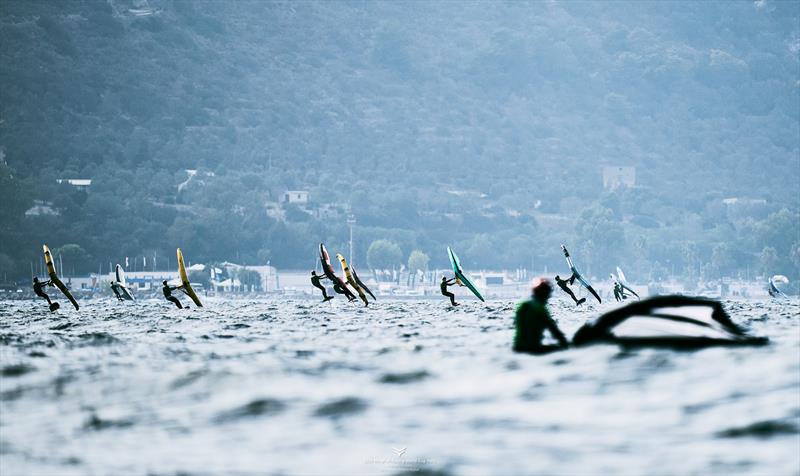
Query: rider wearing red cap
point(533, 318)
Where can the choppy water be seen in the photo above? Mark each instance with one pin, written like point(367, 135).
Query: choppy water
point(295, 387)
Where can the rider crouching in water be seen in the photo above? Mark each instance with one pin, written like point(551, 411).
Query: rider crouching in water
point(532, 318)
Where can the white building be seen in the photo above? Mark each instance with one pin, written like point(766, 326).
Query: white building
point(734, 201)
point(615, 177)
point(296, 196)
point(80, 184)
point(40, 207)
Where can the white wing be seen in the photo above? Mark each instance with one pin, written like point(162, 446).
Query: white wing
point(621, 276)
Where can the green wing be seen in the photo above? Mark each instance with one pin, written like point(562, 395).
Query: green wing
point(465, 280)
point(462, 278)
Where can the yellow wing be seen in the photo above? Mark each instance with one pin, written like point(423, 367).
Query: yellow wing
point(187, 288)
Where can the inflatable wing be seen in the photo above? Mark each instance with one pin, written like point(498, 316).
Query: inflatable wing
point(460, 276)
point(349, 277)
point(325, 259)
point(51, 270)
point(772, 287)
point(578, 275)
point(624, 283)
point(186, 287)
point(668, 321)
point(361, 283)
point(123, 285)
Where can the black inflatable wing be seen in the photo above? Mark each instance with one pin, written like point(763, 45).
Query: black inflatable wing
point(360, 283)
point(669, 321)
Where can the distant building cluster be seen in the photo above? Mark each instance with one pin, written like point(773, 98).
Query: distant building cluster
point(190, 176)
point(41, 207)
point(301, 199)
point(81, 185)
point(615, 177)
point(734, 201)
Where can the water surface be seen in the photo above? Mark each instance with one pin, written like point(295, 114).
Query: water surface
point(297, 387)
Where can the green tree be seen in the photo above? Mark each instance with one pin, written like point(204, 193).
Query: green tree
point(597, 225)
point(294, 213)
point(264, 255)
point(73, 258)
point(795, 257)
point(418, 261)
point(478, 252)
point(136, 142)
point(658, 272)
point(722, 262)
point(13, 196)
point(249, 278)
point(779, 231)
point(383, 254)
point(589, 252)
point(691, 258)
point(6, 267)
point(768, 261)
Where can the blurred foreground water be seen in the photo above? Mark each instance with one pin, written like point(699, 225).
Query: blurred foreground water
point(297, 387)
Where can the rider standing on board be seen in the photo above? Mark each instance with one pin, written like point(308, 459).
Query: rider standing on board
point(167, 290)
point(564, 285)
point(38, 289)
point(315, 280)
point(445, 283)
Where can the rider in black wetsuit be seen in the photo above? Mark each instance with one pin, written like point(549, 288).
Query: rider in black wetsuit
point(115, 287)
point(619, 292)
point(315, 280)
point(532, 318)
point(445, 283)
point(338, 286)
point(564, 285)
point(167, 289)
point(38, 289)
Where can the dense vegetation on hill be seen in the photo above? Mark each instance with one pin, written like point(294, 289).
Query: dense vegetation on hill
point(484, 126)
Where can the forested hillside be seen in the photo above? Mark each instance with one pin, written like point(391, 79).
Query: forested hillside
point(484, 126)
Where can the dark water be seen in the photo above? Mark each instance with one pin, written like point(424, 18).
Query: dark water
point(294, 387)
